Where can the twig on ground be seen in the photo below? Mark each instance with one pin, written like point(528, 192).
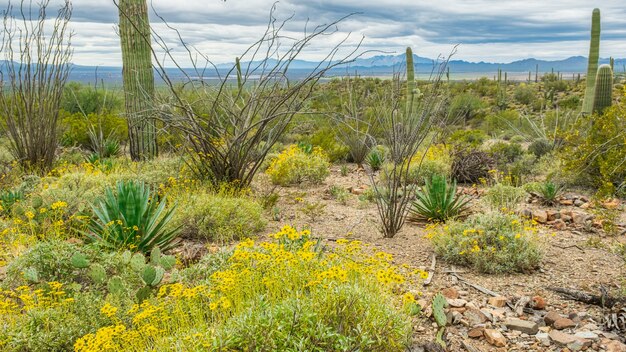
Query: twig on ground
point(431, 272)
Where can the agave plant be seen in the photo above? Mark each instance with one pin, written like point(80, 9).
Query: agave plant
point(437, 201)
point(549, 192)
point(131, 218)
point(375, 159)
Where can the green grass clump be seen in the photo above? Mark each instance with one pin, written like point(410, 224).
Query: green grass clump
point(437, 201)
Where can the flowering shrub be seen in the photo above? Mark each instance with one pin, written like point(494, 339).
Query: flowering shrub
point(294, 165)
point(491, 243)
point(424, 165)
point(344, 298)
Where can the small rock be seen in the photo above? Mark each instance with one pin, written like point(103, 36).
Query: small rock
point(559, 224)
point(579, 218)
point(553, 215)
point(551, 317)
point(498, 301)
point(540, 217)
point(566, 202)
point(454, 317)
point(494, 337)
point(538, 303)
point(457, 303)
point(578, 202)
point(450, 293)
point(476, 332)
point(611, 203)
point(561, 337)
point(475, 316)
point(613, 346)
point(543, 338)
point(524, 326)
point(526, 213)
point(563, 323)
point(579, 344)
point(588, 335)
point(585, 205)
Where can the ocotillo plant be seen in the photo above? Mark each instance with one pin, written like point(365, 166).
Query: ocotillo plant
point(138, 77)
point(604, 89)
point(592, 67)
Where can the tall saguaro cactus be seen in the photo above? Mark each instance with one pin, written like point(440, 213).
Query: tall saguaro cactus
point(592, 67)
point(410, 82)
point(603, 97)
point(138, 77)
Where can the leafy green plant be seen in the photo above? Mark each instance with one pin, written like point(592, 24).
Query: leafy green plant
point(341, 194)
point(9, 197)
point(132, 218)
point(492, 243)
point(437, 201)
point(375, 159)
point(295, 165)
point(549, 192)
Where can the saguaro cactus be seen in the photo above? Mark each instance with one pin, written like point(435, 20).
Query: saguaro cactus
point(410, 82)
point(592, 67)
point(138, 77)
point(603, 97)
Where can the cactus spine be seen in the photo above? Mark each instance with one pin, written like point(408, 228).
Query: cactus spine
point(138, 77)
point(603, 97)
point(592, 68)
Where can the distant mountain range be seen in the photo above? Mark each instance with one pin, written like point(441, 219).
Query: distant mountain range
point(384, 65)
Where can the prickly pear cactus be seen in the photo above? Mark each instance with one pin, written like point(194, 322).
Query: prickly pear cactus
point(97, 273)
point(79, 261)
point(138, 262)
point(167, 262)
point(439, 305)
point(126, 257)
point(143, 293)
point(116, 286)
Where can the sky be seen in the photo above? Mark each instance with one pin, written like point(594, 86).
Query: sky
point(485, 30)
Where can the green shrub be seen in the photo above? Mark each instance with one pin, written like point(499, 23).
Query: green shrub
point(437, 201)
point(465, 106)
point(340, 194)
point(132, 219)
point(525, 94)
point(502, 123)
point(504, 152)
point(376, 159)
point(540, 147)
point(490, 243)
point(502, 196)
point(215, 217)
point(294, 166)
point(468, 138)
point(75, 128)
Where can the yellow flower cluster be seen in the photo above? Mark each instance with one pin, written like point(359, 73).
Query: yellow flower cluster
point(23, 299)
point(275, 271)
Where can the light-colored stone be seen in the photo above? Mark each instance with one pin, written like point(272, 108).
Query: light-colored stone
point(457, 303)
point(499, 301)
point(475, 316)
point(613, 346)
point(495, 338)
point(543, 338)
point(524, 326)
point(561, 337)
point(587, 335)
point(540, 216)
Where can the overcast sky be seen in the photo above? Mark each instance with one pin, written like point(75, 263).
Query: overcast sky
point(487, 30)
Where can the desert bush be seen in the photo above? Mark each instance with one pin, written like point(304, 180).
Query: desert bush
point(335, 150)
point(342, 299)
point(437, 201)
point(340, 194)
point(540, 147)
point(596, 151)
point(424, 165)
point(571, 102)
point(465, 106)
point(217, 217)
point(501, 124)
point(132, 219)
point(470, 165)
point(525, 94)
point(504, 153)
point(504, 197)
point(85, 99)
point(468, 138)
point(294, 165)
point(490, 243)
point(376, 158)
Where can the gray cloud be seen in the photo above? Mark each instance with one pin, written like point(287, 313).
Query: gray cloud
point(489, 30)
